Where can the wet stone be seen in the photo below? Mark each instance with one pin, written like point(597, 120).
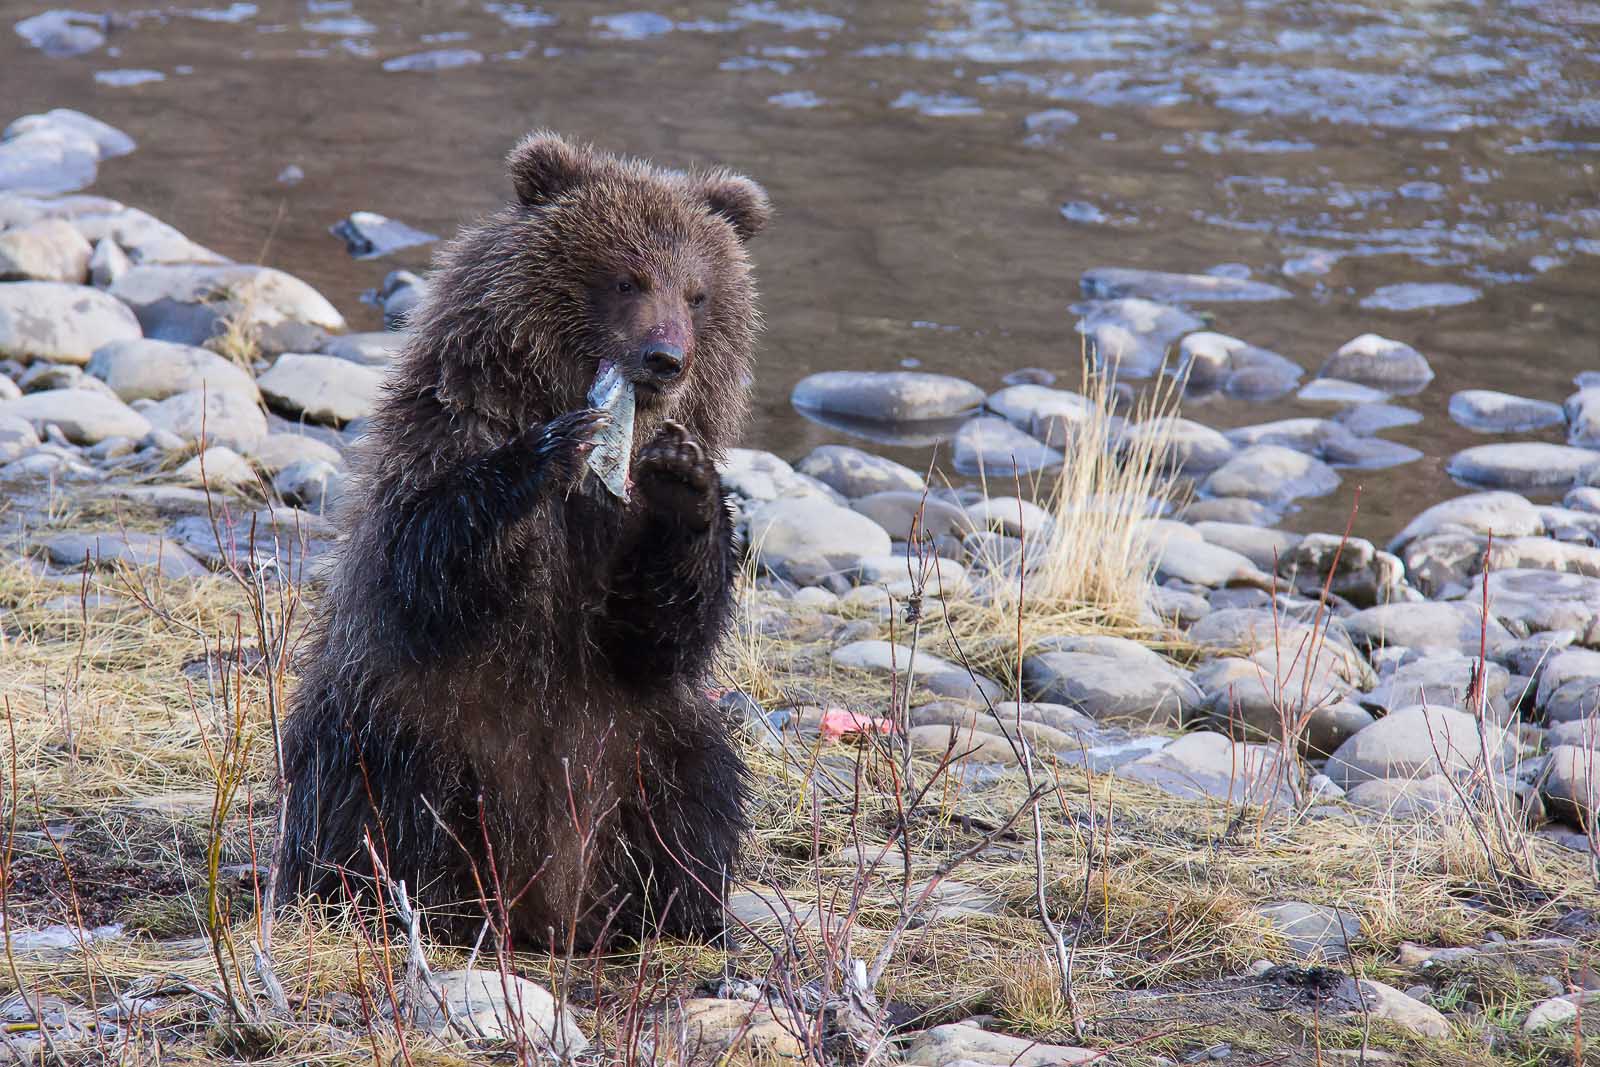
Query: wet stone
point(1133, 335)
point(1487, 411)
point(855, 473)
point(1111, 283)
point(60, 323)
point(993, 447)
point(1524, 465)
point(1335, 391)
point(892, 396)
point(368, 235)
point(1367, 419)
point(1582, 411)
point(1272, 474)
point(1500, 513)
point(1392, 366)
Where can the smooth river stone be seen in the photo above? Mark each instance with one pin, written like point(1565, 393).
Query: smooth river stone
point(1524, 465)
point(887, 396)
point(1487, 411)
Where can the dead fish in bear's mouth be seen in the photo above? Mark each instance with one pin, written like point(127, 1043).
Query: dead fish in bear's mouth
point(613, 394)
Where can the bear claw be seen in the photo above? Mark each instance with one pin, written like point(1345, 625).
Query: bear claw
point(675, 475)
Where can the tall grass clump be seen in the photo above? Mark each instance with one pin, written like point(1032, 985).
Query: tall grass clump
point(1092, 569)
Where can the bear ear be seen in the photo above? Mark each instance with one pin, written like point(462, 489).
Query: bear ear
point(544, 165)
point(737, 199)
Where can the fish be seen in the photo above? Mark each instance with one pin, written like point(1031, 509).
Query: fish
point(613, 394)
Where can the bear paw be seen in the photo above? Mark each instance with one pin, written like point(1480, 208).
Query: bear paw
point(675, 476)
point(561, 446)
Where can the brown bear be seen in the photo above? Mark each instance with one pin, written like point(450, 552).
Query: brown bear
point(506, 684)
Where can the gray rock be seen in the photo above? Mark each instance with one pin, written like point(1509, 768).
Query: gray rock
point(1377, 361)
point(1265, 548)
point(1347, 567)
point(1111, 283)
point(110, 141)
point(107, 263)
point(60, 323)
point(1132, 336)
point(1566, 665)
point(1029, 407)
point(1387, 1004)
point(1426, 797)
point(1574, 701)
point(1543, 600)
point(312, 484)
point(1177, 607)
point(1343, 393)
point(1200, 562)
point(1186, 446)
point(109, 548)
point(1231, 509)
point(1533, 653)
point(1570, 784)
point(1302, 434)
point(1253, 699)
point(855, 473)
point(1583, 498)
point(218, 467)
point(435, 60)
point(1500, 513)
point(1441, 681)
point(1339, 447)
point(1109, 689)
point(1487, 411)
point(1208, 765)
point(1367, 419)
point(145, 369)
point(17, 436)
point(49, 159)
point(320, 388)
point(190, 304)
point(222, 417)
point(1259, 630)
point(1271, 474)
point(993, 447)
point(1582, 411)
point(145, 238)
point(376, 349)
point(1013, 517)
point(1313, 931)
point(1215, 360)
point(753, 477)
point(50, 250)
point(276, 451)
point(1438, 626)
point(398, 296)
point(59, 34)
point(284, 538)
point(1560, 1012)
point(938, 576)
point(84, 415)
point(1524, 465)
point(1415, 296)
point(929, 671)
point(890, 396)
point(490, 1006)
point(964, 1045)
point(1420, 741)
point(804, 540)
point(368, 235)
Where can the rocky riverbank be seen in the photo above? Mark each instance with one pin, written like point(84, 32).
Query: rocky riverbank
point(1341, 794)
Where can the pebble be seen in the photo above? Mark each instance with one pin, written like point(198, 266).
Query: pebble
point(1131, 336)
point(1441, 680)
point(496, 1007)
point(321, 389)
point(1214, 360)
point(145, 369)
point(892, 396)
point(992, 447)
point(964, 1045)
point(222, 417)
point(1313, 931)
point(368, 235)
point(854, 473)
point(1209, 765)
point(191, 303)
point(1582, 412)
point(1524, 465)
point(1392, 366)
point(1111, 283)
point(50, 250)
point(60, 323)
point(936, 675)
point(1271, 474)
point(805, 540)
point(1415, 742)
point(1487, 411)
point(1335, 391)
point(1536, 600)
point(85, 416)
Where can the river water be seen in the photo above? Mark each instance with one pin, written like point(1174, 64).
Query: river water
point(943, 172)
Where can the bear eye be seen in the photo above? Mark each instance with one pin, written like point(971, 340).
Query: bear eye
point(624, 286)
point(697, 300)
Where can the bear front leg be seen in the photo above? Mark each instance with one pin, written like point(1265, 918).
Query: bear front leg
point(672, 591)
point(452, 544)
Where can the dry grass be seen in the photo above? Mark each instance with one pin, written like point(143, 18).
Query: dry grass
point(117, 767)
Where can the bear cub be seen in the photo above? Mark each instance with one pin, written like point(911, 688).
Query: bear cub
point(505, 689)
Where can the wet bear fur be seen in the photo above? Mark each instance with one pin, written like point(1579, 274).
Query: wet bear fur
point(506, 684)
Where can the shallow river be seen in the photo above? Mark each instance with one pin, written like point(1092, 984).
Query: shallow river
point(944, 172)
